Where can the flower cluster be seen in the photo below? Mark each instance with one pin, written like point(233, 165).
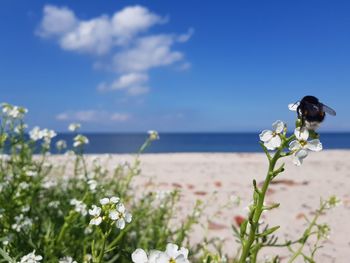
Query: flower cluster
point(36, 134)
point(31, 258)
point(12, 111)
point(299, 147)
point(112, 211)
point(172, 254)
point(21, 223)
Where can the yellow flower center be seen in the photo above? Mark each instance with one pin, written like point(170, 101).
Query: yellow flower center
point(303, 143)
point(171, 260)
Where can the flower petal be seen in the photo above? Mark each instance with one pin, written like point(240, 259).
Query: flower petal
point(184, 251)
point(139, 256)
point(128, 217)
point(114, 215)
point(104, 201)
point(299, 156)
point(269, 145)
point(294, 145)
point(153, 256)
point(172, 250)
point(120, 208)
point(278, 126)
point(96, 221)
point(162, 258)
point(276, 141)
point(181, 259)
point(301, 134)
point(314, 145)
point(120, 223)
point(265, 135)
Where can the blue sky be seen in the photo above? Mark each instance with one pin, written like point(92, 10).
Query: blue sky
point(121, 66)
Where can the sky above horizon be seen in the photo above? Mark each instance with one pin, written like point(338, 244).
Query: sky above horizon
point(173, 66)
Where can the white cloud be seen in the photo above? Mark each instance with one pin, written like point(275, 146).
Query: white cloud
point(125, 81)
point(119, 117)
point(133, 20)
point(93, 36)
point(185, 37)
point(137, 90)
point(119, 37)
point(97, 35)
point(93, 116)
point(149, 52)
point(56, 21)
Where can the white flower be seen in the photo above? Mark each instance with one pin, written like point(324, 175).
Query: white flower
point(171, 255)
point(35, 134)
point(79, 206)
point(80, 140)
point(300, 147)
point(140, 256)
point(53, 204)
point(48, 134)
point(92, 184)
point(153, 135)
point(61, 144)
point(23, 185)
point(74, 127)
point(96, 221)
point(95, 212)
point(30, 173)
point(114, 215)
point(104, 201)
point(49, 183)
point(31, 258)
point(13, 111)
point(120, 215)
point(271, 139)
point(114, 199)
point(20, 128)
point(21, 223)
point(67, 260)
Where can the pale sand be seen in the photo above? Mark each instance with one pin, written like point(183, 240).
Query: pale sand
point(215, 177)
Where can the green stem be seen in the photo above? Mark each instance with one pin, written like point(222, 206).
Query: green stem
point(259, 208)
point(259, 204)
point(100, 258)
point(307, 234)
point(65, 226)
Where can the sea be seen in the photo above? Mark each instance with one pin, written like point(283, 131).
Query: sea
point(188, 142)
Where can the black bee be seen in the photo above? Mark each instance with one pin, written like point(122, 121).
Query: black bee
point(311, 112)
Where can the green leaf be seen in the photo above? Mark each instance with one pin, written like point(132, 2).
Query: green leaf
point(269, 231)
point(243, 228)
point(6, 256)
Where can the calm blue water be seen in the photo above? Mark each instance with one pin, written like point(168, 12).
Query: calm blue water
point(190, 142)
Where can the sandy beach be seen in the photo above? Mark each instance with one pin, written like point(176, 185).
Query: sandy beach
point(217, 178)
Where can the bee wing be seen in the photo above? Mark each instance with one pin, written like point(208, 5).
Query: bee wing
point(329, 110)
point(293, 106)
